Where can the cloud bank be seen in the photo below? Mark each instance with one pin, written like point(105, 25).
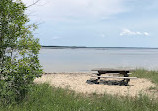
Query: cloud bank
point(129, 32)
point(76, 9)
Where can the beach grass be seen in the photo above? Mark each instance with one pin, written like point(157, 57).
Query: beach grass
point(151, 75)
point(44, 97)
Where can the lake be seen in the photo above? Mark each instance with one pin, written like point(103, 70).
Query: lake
point(85, 59)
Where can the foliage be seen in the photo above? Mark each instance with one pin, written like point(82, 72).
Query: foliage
point(45, 98)
point(19, 64)
point(142, 73)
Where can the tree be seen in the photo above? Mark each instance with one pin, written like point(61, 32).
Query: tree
point(19, 64)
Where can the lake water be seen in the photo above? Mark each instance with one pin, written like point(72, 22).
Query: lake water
point(85, 59)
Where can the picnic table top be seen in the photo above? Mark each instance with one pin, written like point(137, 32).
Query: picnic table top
point(113, 69)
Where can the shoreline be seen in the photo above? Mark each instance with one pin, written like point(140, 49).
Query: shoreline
point(78, 47)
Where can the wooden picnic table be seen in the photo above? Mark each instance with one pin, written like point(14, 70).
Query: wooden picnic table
point(120, 71)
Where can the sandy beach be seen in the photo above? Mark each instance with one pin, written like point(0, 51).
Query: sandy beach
point(78, 83)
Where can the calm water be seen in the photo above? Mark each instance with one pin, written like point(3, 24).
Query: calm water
point(85, 59)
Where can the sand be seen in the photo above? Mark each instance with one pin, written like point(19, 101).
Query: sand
point(77, 82)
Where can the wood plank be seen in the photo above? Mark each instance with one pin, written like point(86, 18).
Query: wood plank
point(113, 73)
point(113, 69)
point(116, 77)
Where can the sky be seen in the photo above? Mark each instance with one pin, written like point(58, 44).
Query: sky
point(95, 23)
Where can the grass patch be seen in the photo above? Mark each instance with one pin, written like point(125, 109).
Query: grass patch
point(46, 98)
point(152, 88)
point(151, 75)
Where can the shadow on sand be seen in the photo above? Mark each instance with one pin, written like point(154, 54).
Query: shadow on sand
point(108, 82)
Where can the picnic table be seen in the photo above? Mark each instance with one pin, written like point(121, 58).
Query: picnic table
point(124, 72)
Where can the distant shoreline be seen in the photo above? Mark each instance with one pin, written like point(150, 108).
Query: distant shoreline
point(75, 47)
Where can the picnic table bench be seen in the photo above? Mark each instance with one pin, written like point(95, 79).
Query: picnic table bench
point(124, 72)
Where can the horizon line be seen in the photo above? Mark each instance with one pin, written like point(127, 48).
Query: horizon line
point(95, 47)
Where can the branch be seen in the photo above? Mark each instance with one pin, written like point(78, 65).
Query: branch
point(33, 3)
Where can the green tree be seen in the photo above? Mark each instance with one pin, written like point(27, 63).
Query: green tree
point(19, 64)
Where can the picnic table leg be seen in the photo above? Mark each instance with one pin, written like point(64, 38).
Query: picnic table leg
point(98, 78)
point(125, 81)
point(99, 74)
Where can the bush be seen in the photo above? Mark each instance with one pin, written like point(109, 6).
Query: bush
point(19, 64)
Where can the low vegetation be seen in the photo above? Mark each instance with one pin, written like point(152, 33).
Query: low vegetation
point(19, 63)
point(43, 97)
point(151, 75)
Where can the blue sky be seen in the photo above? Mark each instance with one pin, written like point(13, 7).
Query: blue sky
point(96, 23)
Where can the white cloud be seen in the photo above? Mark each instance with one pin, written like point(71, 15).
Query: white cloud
point(55, 38)
point(129, 32)
point(76, 9)
point(146, 33)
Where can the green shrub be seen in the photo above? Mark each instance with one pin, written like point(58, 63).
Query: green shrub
point(19, 64)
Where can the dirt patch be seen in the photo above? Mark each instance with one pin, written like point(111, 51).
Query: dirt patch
point(77, 82)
